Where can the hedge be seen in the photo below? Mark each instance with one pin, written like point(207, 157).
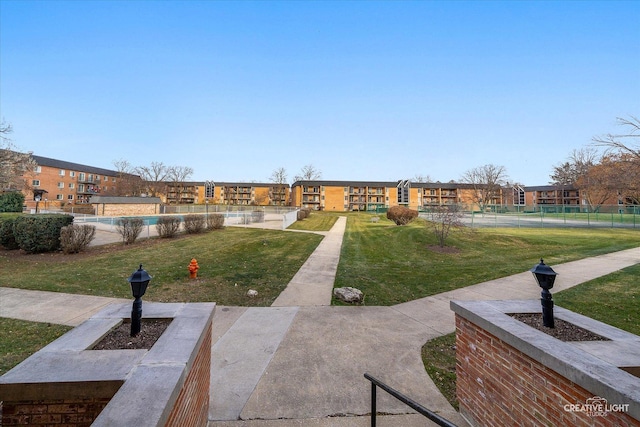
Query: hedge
point(40, 233)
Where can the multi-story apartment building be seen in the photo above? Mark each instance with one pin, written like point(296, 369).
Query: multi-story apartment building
point(552, 195)
point(57, 183)
point(344, 196)
point(229, 193)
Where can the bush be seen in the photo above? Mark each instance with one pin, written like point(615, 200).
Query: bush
point(303, 213)
point(194, 224)
point(401, 215)
point(129, 229)
point(75, 238)
point(215, 221)
point(7, 239)
point(168, 226)
point(11, 202)
point(40, 233)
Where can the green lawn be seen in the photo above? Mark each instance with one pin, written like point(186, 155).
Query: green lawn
point(613, 299)
point(393, 264)
point(20, 339)
point(317, 221)
point(232, 261)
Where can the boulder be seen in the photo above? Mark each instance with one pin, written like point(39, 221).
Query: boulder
point(348, 294)
point(251, 293)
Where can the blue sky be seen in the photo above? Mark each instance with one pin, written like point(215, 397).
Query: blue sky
point(361, 90)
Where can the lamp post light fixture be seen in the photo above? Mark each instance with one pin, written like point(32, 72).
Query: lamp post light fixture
point(139, 281)
point(545, 276)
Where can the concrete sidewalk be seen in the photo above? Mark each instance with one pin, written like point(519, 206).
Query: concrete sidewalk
point(313, 284)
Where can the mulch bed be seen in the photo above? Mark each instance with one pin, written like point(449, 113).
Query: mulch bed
point(120, 338)
point(564, 331)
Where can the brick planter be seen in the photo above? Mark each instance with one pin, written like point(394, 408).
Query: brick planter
point(67, 383)
point(509, 373)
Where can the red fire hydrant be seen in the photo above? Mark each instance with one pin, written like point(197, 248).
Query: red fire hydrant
point(193, 269)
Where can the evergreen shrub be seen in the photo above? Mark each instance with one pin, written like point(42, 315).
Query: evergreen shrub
point(40, 233)
point(7, 239)
point(11, 201)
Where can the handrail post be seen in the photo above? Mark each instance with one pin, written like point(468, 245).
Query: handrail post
point(373, 405)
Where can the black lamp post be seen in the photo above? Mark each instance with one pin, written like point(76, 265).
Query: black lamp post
point(545, 276)
point(139, 281)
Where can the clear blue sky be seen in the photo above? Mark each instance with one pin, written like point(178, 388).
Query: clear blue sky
point(361, 90)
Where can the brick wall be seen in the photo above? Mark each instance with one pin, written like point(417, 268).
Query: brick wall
point(192, 406)
point(70, 413)
point(497, 385)
point(103, 209)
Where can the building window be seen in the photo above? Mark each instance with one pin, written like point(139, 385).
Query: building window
point(35, 183)
point(81, 188)
point(58, 196)
point(62, 172)
point(37, 169)
point(72, 185)
point(72, 174)
point(61, 185)
point(106, 178)
point(70, 197)
point(81, 177)
point(113, 179)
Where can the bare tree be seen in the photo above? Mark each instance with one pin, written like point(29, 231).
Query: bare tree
point(308, 173)
point(443, 219)
point(627, 142)
point(578, 165)
point(178, 175)
point(277, 193)
point(155, 177)
point(487, 182)
point(279, 176)
point(5, 130)
point(599, 183)
point(421, 178)
point(129, 184)
point(15, 168)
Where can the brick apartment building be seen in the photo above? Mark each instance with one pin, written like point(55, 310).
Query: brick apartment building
point(228, 193)
point(342, 196)
point(58, 182)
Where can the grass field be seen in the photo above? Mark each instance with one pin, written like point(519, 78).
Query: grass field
point(20, 339)
point(393, 264)
point(231, 261)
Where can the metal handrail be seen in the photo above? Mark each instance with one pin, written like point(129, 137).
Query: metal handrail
point(404, 399)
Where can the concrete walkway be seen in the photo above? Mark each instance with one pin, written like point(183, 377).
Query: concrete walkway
point(303, 365)
point(313, 283)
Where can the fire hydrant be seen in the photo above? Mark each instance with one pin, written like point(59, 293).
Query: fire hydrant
point(193, 269)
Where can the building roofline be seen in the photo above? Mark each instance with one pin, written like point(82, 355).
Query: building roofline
point(61, 164)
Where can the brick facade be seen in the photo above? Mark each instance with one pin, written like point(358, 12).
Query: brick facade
point(192, 406)
point(497, 385)
point(68, 413)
